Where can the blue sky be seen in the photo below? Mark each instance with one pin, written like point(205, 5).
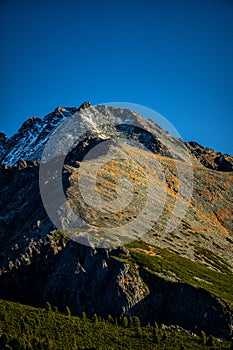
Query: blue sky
point(175, 57)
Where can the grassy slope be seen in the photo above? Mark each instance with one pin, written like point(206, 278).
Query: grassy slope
point(174, 266)
point(25, 327)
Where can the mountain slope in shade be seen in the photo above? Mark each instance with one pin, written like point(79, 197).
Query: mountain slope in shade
point(183, 277)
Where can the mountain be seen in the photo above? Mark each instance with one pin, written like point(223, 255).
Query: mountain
point(162, 252)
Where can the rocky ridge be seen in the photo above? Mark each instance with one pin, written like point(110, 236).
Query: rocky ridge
point(28, 143)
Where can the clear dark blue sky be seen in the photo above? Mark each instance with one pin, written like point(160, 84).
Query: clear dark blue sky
point(173, 56)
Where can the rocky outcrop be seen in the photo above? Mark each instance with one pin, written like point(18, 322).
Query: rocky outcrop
point(3, 141)
point(3, 138)
point(184, 305)
point(210, 158)
point(74, 275)
point(84, 105)
point(28, 143)
point(38, 264)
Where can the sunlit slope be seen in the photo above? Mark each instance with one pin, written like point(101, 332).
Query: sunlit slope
point(150, 178)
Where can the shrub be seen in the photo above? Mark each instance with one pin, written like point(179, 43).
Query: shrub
point(48, 307)
point(125, 322)
point(203, 337)
point(211, 341)
point(68, 312)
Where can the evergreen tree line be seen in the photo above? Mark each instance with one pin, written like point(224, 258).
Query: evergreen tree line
point(27, 328)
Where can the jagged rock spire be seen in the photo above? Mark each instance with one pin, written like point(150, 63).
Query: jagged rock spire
point(84, 105)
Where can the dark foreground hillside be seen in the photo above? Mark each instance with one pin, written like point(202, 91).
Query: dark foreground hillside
point(23, 327)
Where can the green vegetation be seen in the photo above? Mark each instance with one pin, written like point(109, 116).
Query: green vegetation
point(27, 328)
point(214, 260)
point(59, 237)
point(185, 270)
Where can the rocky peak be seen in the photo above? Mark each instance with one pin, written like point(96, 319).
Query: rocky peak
point(210, 158)
point(102, 122)
point(29, 141)
point(3, 138)
point(84, 105)
point(3, 141)
point(30, 123)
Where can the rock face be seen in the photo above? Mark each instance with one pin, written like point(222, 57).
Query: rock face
point(209, 158)
point(38, 263)
point(84, 105)
point(3, 141)
point(29, 141)
point(100, 123)
point(183, 305)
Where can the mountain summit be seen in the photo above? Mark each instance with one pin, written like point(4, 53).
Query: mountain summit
point(28, 143)
point(160, 249)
